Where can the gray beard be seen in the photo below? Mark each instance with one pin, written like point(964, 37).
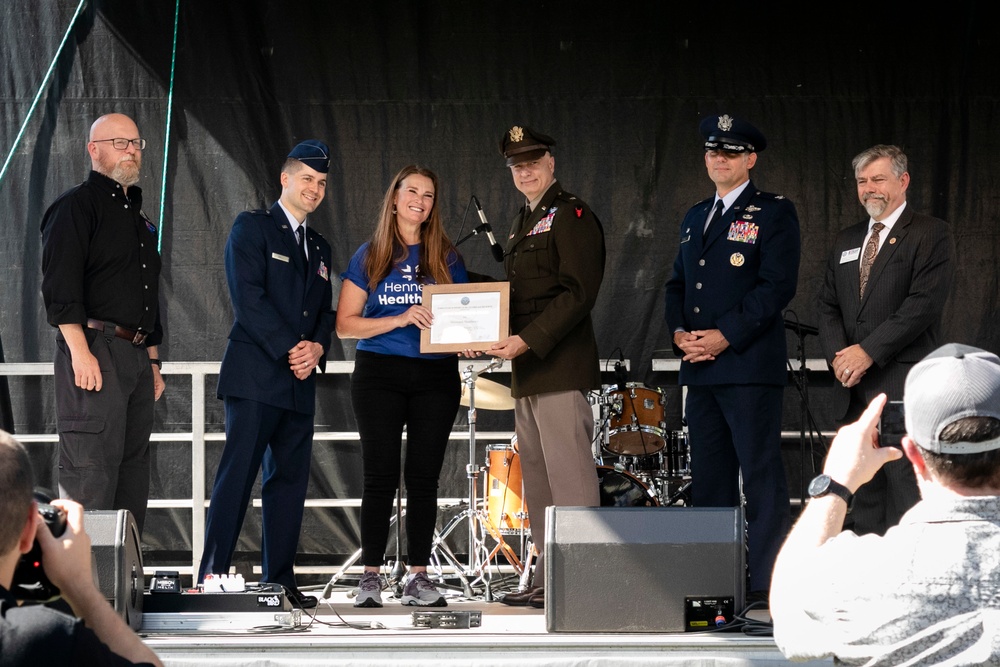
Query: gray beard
point(127, 177)
point(875, 207)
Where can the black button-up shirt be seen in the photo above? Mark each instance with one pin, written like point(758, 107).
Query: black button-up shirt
point(99, 258)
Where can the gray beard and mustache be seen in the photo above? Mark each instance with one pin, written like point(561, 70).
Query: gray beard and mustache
point(875, 205)
point(126, 172)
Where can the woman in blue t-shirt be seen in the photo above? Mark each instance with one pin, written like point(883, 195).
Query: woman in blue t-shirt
point(393, 383)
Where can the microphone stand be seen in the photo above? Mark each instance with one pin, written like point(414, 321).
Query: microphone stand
point(475, 232)
point(801, 378)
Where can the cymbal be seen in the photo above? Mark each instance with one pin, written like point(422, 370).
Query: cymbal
point(490, 395)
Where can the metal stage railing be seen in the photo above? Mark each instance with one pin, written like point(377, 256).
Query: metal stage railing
point(198, 436)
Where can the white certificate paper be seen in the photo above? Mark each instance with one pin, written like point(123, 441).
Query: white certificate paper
point(469, 316)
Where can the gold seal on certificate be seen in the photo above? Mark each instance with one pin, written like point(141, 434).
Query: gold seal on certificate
point(467, 316)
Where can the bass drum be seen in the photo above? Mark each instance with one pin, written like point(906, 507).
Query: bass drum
point(620, 489)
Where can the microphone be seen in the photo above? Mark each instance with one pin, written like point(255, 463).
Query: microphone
point(494, 246)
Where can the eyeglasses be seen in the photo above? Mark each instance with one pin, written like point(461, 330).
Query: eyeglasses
point(121, 144)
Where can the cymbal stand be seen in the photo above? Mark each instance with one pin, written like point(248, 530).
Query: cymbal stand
point(477, 524)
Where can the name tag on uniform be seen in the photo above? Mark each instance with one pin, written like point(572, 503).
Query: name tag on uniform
point(283, 258)
point(850, 255)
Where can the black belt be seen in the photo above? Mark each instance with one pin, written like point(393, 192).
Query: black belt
point(137, 338)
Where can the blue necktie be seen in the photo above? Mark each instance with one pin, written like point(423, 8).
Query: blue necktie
point(716, 214)
point(300, 236)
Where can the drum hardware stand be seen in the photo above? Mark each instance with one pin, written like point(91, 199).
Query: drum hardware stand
point(477, 524)
point(602, 437)
point(398, 570)
point(529, 559)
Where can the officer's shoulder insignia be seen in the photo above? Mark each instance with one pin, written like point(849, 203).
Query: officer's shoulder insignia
point(565, 196)
point(260, 211)
point(770, 195)
point(578, 205)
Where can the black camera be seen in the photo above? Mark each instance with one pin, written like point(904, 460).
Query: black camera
point(30, 581)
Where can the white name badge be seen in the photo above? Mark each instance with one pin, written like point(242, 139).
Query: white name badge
point(850, 255)
point(283, 258)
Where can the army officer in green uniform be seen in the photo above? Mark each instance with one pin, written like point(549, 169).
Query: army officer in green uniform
point(554, 260)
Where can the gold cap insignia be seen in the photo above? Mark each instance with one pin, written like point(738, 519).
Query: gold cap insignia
point(736, 259)
point(725, 122)
point(516, 133)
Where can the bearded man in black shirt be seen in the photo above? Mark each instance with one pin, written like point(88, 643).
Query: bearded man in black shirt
point(100, 284)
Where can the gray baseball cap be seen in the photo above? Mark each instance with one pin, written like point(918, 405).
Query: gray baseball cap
point(952, 382)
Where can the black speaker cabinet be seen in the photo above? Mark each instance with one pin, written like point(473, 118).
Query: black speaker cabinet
point(117, 557)
point(637, 569)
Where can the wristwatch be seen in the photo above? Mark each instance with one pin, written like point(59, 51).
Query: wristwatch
point(824, 484)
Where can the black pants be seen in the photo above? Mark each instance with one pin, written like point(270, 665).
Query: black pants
point(388, 393)
point(104, 435)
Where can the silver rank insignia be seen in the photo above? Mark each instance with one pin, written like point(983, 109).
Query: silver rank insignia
point(736, 259)
point(725, 122)
point(516, 133)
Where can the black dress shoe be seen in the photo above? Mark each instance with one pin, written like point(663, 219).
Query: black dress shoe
point(300, 600)
point(521, 599)
point(538, 599)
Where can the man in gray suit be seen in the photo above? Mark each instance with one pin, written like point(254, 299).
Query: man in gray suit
point(880, 312)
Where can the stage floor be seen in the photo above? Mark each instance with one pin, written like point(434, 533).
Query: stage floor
point(508, 636)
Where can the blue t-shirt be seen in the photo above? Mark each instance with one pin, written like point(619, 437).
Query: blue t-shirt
point(394, 296)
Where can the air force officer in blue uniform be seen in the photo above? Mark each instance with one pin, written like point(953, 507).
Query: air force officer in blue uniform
point(735, 272)
point(278, 271)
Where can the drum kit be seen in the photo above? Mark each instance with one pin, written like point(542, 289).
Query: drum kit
point(639, 463)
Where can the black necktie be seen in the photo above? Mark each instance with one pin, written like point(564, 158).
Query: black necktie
point(716, 214)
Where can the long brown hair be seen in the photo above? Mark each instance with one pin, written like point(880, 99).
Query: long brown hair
point(387, 247)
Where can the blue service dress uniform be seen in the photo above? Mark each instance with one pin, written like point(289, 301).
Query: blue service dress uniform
point(738, 279)
point(277, 301)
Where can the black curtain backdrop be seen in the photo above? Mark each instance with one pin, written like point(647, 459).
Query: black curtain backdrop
point(621, 87)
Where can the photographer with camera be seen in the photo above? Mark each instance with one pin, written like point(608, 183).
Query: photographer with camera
point(928, 592)
point(38, 635)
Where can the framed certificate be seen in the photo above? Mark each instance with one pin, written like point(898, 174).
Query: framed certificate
point(468, 316)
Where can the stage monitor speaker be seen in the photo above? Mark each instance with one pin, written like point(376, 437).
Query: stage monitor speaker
point(117, 557)
point(637, 569)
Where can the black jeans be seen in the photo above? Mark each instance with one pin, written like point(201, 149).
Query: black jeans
point(388, 393)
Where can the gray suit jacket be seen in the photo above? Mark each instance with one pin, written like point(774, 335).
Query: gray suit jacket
point(898, 321)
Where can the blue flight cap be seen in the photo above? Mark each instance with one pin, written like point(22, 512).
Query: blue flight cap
point(312, 153)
